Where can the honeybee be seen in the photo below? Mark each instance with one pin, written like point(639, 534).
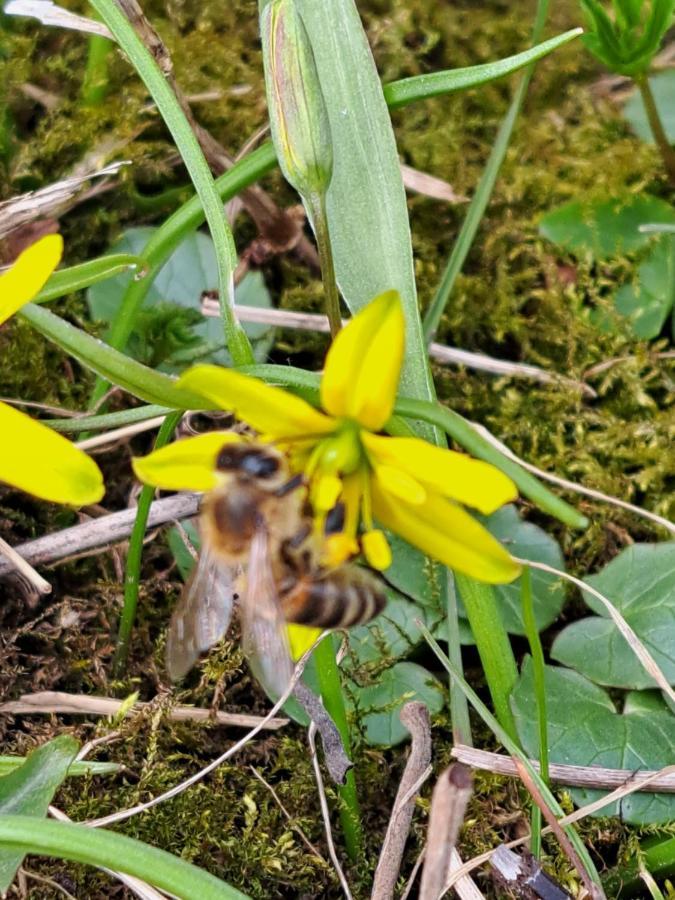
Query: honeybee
point(259, 547)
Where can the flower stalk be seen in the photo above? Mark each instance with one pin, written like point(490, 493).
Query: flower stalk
point(656, 126)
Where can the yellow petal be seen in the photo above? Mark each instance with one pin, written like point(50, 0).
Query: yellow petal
point(38, 460)
point(28, 275)
point(363, 365)
point(376, 550)
point(397, 482)
point(186, 465)
point(446, 532)
point(300, 639)
point(471, 481)
point(267, 409)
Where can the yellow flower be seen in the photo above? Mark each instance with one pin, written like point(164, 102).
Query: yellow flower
point(32, 456)
point(407, 485)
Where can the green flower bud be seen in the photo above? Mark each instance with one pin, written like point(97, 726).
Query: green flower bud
point(298, 114)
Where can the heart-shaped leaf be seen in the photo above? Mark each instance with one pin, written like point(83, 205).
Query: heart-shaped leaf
point(379, 705)
point(188, 273)
point(584, 729)
point(605, 228)
point(640, 582)
point(648, 301)
point(29, 790)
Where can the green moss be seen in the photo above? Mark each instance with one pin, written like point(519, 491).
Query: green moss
point(517, 298)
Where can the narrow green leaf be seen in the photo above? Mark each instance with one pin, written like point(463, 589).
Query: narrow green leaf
point(98, 847)
point(108, 363)
point(29, 790)
point(78, 424)
point(191, 154)
point(75, 278)
point(419, 87)
point(481, 198)
point(76, 769)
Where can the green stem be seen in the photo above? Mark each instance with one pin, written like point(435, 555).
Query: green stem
point(76, 424)
point(539, 670)
point(98, 847)
point(483, 193)
point(459, 708)
point(169, 235)
point(322, 234)
point(331, 694)
point(193, 158)
point(493, 645)
point(95, 84)
point(656, 126)
point(132, 571)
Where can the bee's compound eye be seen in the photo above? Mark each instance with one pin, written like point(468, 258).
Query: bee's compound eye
point(229, 457)
point(260, 464)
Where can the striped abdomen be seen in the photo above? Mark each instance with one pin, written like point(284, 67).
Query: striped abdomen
point(338, 598)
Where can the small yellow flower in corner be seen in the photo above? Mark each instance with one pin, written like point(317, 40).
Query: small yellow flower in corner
point(403, 483)
point(32, 456)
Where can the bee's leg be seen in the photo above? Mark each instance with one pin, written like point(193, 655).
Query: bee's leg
point(291, 485)
point(335, 520)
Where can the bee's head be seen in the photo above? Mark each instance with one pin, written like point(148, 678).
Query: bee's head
point(253, 462)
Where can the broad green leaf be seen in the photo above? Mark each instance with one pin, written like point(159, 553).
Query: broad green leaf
point(77, 769)
point(663, 88)
point(379, 705)
point(182, 556)
point(648, 301)
point(190, 271)
point(584, 729)
point(101, 848)
point(29, 790)
point(367, 211)
point(605, 228)
point(640, 582)
point(431, 84)
point(66, 281)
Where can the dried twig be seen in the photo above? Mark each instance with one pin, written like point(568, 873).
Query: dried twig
point(47, 201)
point(49, 13)
point(571, 485)
point(607, 364)
point(453, 355)
point(523, 877)
point(595, 777)
point(448, 805)
point(98, 534)
point(325, 812)
point(337, 761)
point(429, 185)
point(415, 717)
point(24, 568)
point(80, 704)
point(119, 434)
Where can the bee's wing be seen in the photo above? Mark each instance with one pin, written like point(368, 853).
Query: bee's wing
point(263, 625)
point(202, 615)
